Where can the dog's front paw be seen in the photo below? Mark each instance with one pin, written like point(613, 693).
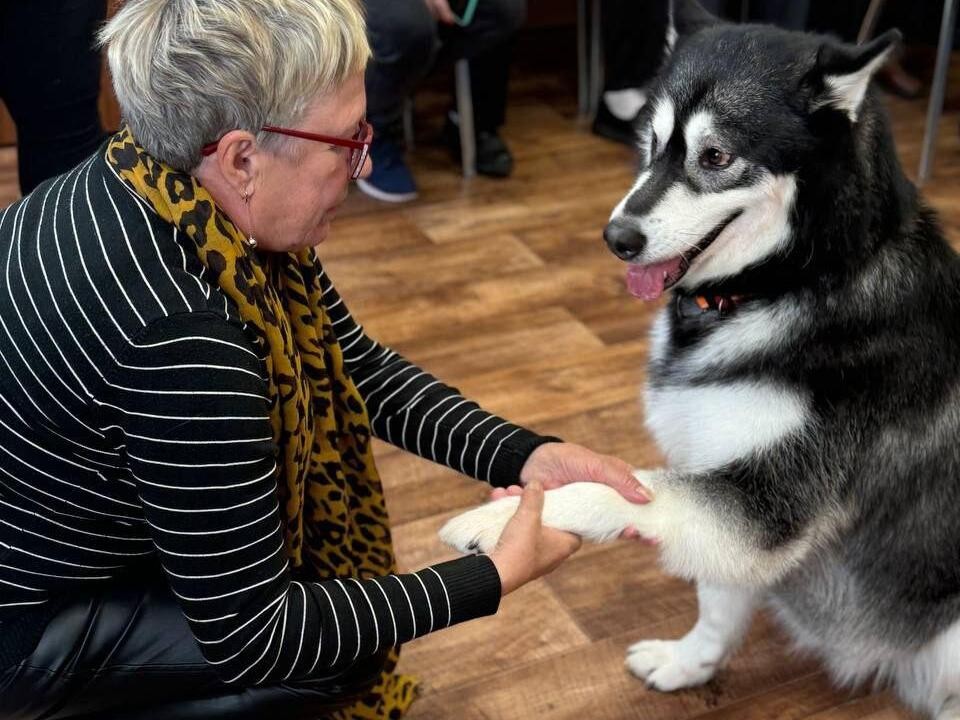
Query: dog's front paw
point(664, 667)
point(479, 530)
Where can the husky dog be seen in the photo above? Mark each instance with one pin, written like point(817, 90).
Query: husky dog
point(804, 378)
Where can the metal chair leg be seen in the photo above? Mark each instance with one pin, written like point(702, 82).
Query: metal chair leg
point(583, 73)
point(408, 134)
point(935, 108)
point(869, 23)
point(468, 138)
point(596, 58)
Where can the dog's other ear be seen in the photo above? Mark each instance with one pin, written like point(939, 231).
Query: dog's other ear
point(844, 71)
point(686, 18)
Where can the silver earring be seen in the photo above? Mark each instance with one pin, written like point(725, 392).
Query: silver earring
point(251, 240)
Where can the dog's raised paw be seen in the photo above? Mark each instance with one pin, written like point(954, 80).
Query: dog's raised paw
point(479, 530)
point(662, 666)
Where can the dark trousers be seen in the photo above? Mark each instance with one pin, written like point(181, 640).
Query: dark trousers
point(127, 653)
point(634, 38)
point(50, 82)
point(788, 14)
point(407, 40)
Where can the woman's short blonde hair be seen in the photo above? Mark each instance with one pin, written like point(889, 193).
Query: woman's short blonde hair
point(187, 71)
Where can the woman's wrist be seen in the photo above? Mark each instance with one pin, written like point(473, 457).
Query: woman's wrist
point(510, 578)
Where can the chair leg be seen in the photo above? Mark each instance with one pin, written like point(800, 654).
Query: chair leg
point(408, 134)
point(596, 58)
point(468, 138)
point(583, 72)
point(937, 92)
point(869, 23)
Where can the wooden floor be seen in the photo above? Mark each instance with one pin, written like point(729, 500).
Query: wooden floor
point(505, 290)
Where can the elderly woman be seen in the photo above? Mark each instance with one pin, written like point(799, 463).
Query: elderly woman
point(191, 522)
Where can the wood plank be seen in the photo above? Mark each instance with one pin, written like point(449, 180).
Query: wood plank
point(517, 340)
point(562, 386)
point(532, 625)
point(459, 307)
point(9, 183)
point(399, 275)
point(591, 682)
point(792, 700)
point(621, 587)
point(416, 541)
point(417, 490)
point(873, 706)
point(369, 233)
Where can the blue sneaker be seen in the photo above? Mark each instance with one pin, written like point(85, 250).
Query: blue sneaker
point(390, 180)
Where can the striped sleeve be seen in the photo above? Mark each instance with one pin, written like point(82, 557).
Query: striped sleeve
point(189, 397)
point(412, 409)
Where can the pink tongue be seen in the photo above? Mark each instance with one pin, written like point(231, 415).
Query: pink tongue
point(646, 281)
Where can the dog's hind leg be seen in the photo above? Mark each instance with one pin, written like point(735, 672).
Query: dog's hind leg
point(667, 665)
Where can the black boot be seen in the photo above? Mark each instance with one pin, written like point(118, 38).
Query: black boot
point(608, 125)
point(493, 155)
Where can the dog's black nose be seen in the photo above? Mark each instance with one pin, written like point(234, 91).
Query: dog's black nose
point(625, 242)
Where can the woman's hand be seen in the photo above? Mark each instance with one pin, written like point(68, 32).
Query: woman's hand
point(555, 464)
point(440, 9)
point(526, 549)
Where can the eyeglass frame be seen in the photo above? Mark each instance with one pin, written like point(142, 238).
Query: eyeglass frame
point(360, 141)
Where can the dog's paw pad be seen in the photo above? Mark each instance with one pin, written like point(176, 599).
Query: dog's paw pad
point(460, 535)
point(660, 665)
point(478, 530)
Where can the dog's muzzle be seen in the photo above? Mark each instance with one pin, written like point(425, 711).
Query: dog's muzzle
point(625, 242)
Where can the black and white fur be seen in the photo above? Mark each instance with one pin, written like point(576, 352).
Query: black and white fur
point(813, 432)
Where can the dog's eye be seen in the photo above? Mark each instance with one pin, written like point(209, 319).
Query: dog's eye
point(715, 158)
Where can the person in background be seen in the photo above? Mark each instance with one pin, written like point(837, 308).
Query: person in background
point(919, 22)
point(407, 38)
point(788, 14)
point(50, 83)
point(634, 43)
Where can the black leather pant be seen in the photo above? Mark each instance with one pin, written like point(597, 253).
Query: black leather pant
point(128, 654)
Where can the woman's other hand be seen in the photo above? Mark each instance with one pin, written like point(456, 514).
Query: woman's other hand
point(555, 464)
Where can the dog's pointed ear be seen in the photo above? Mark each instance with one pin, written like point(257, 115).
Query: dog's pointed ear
point(686, 18)
point(844, 71)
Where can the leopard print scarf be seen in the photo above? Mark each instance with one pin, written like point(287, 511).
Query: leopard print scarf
point(327, 479)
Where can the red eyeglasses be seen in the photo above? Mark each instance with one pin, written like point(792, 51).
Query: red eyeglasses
point(359, 144)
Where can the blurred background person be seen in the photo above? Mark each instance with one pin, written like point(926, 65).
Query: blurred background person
point(408, 37)
point(50, 82)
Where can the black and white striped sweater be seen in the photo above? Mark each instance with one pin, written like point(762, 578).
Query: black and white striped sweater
point(133, 426)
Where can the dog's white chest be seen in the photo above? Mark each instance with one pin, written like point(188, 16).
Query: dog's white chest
point(707, 426)
point(700, 425)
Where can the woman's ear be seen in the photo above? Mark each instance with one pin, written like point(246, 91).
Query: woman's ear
point(842, 72)
point(238, 159)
